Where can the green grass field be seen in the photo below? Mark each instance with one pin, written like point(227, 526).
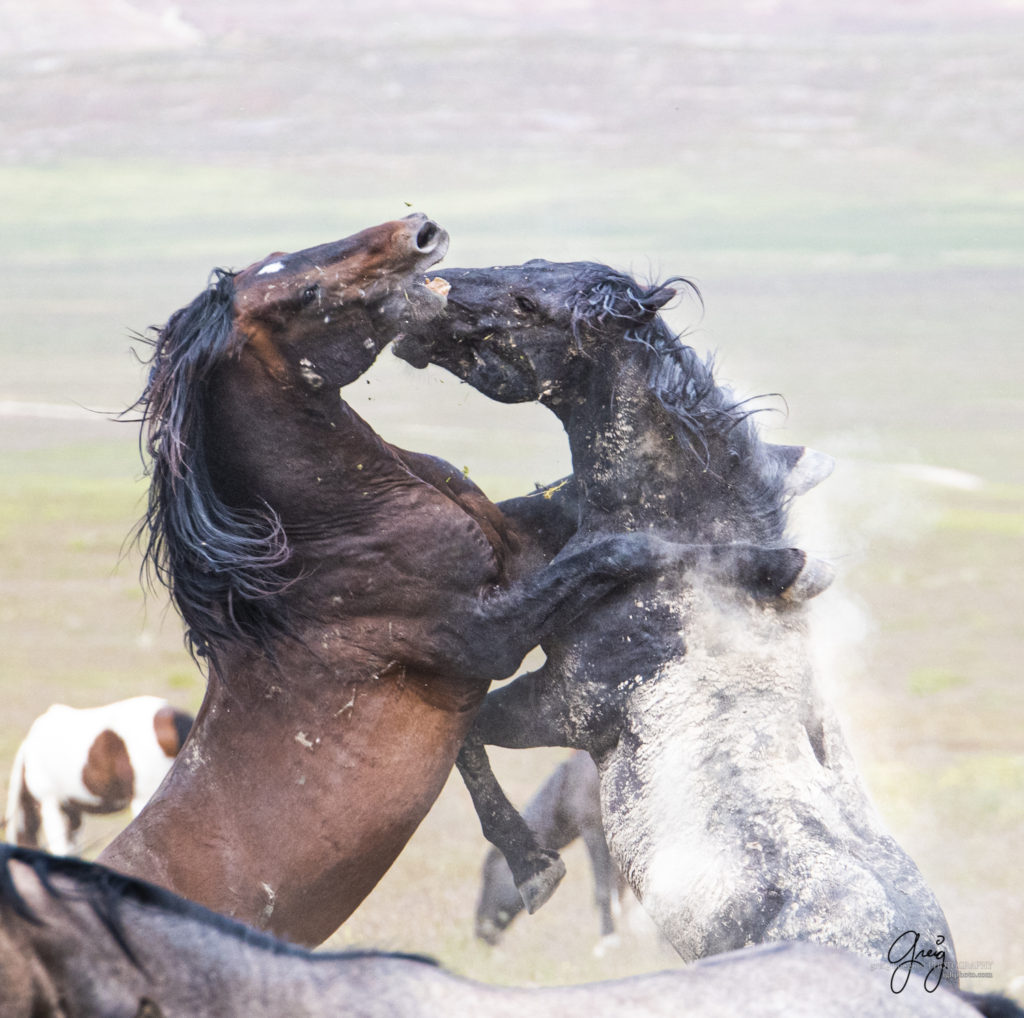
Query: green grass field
point(851, 207)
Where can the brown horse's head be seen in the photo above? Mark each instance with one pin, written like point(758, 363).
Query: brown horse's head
point(292, 308)
point(292, 328)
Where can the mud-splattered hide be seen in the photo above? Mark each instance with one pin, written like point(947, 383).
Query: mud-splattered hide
point(729, 797)
point(350, 598)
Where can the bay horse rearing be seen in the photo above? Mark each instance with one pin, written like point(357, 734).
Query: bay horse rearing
point(729, 797)
point(351, 598)
point(79, 940)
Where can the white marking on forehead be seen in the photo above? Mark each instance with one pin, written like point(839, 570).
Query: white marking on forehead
point(272, 267)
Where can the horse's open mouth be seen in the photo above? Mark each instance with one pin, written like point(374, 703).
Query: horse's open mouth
point(439, 286)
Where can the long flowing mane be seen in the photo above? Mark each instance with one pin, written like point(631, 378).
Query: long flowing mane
point(105, 891)
point(222, 564)
point(707, 418)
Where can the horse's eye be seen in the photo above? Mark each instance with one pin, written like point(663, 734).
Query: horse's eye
point(525, 305)
point(310, 294)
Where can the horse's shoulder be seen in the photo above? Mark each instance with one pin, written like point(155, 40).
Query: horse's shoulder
point(456, 486)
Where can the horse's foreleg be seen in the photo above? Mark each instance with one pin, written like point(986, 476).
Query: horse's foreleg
point(531, 712)
point(524, 714)
point(493, 638)
point(537, 871)
point(604, 875)
point(768, 574)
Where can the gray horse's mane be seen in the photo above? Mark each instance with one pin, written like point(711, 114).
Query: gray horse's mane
point(681, 379)
point(105, 891)
point(707, 418)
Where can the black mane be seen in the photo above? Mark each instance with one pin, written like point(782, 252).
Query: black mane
point(222, 565)
point(105, 891)
point(706, 417)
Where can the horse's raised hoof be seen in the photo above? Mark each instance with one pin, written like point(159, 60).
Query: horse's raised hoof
point(809, 470)
point(816, 576)
point(540, 885)
point(608, 942)
point(488, 931)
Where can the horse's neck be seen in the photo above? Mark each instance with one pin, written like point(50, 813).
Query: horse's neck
point(89, 968)
point(244, 980)
point(302, 452)
point(239, 979)
point(624, 450)
point(638, 467)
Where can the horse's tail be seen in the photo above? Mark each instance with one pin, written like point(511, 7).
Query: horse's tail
point(14, 818)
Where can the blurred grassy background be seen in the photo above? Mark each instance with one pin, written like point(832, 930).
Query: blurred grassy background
point(844, 185)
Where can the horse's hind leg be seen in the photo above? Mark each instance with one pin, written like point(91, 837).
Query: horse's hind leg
point(604, 875)
point(536, 871)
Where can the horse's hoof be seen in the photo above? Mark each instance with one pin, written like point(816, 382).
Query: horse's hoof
point(816, 576)
point(539, 886)
point(608, 942)
point(488, 931)
point(810, 470)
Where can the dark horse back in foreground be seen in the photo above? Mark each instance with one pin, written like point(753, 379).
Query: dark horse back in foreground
point(351, 598)
point(729, 797)
point(78, 940)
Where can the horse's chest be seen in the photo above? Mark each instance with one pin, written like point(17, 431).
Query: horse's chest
point(609, 652)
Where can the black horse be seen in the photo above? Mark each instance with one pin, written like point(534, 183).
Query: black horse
point(729, 798)
point(353, 599)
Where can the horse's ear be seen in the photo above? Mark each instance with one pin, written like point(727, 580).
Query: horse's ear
point(618, 297)
point(656, 298)
point(805, 468)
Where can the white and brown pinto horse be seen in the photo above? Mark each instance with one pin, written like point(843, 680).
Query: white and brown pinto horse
point(79, 940)
point(353, 600)
point(89, 760)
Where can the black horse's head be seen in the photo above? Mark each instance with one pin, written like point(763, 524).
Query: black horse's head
point(548, 331)
point(308, 323)
point(520, 333)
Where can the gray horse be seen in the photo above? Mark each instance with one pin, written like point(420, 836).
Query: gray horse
point(78, 940)
point(729, 797)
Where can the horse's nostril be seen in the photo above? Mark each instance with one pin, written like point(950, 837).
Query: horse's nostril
point(428, 236)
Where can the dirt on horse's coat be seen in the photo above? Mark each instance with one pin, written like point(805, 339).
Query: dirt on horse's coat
point(351, 599)
point(90, 760)
point(729, 797)
point(79, 940)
